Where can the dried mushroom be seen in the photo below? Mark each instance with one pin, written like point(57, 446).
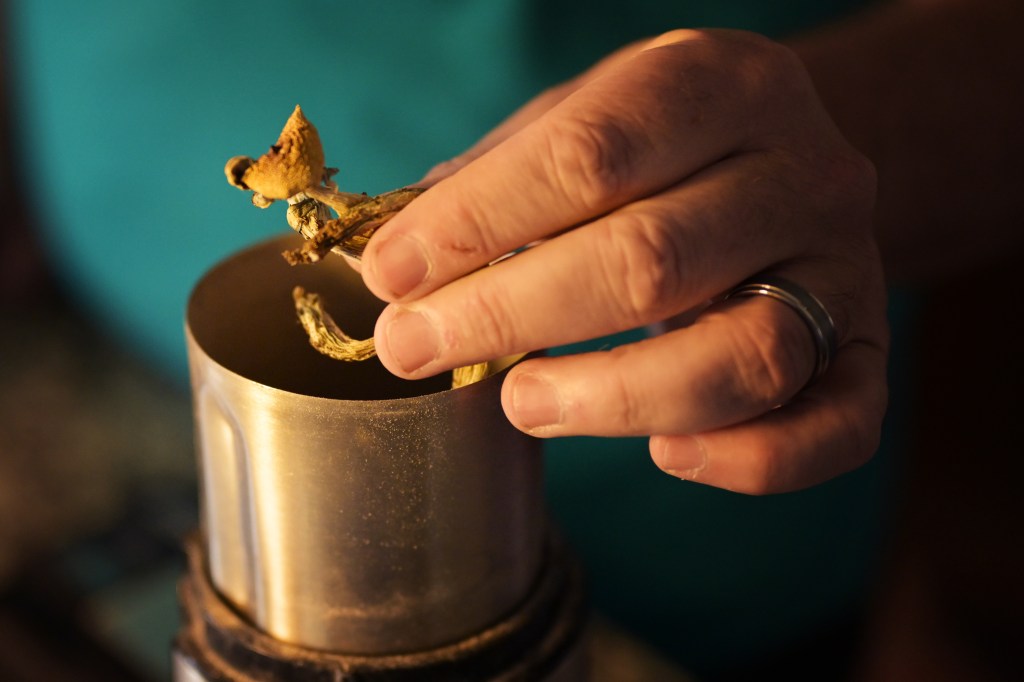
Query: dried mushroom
point(294, 162)
point(330, 220)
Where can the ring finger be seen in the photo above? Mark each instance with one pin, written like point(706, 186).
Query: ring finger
point(739, 360)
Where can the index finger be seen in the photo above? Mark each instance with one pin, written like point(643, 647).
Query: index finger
point(645, 124)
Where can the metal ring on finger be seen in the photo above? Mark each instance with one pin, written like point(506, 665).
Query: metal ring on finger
point(806, 305)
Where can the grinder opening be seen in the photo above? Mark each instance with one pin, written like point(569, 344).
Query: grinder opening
point(241, 314)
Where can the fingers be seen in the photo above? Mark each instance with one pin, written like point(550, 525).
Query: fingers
point(717, 387)
point(656, 184)
point(738, 361)
point(635, 266)
point(622, 136)
point(829, 428)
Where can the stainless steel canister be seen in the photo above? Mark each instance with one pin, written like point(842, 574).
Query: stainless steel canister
point(343, 509)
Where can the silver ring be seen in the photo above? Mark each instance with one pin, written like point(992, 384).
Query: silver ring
point(810, 309)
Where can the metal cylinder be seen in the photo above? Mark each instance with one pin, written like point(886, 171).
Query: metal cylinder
point(343, 509)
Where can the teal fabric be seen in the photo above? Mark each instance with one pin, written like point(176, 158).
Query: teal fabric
point(129, 109)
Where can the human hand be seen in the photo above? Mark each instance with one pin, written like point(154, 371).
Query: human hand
point(665, 176)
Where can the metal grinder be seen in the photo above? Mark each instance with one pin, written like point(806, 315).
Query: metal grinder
point(357, 526)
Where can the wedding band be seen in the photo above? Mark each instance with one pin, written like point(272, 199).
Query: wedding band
point(810, 309)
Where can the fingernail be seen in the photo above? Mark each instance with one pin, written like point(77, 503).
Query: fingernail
point(536, 402)
point(400, 264)
point(681, 456)
point(412, 340)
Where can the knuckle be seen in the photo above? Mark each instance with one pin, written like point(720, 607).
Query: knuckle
point(628, 416)
point(772, 360)
point(647, 264)
point(590, 160)
point(492, 329)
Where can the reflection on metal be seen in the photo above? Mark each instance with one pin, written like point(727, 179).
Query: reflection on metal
point(345, 510)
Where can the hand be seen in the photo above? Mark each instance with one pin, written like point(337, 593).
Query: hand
point(663, 177)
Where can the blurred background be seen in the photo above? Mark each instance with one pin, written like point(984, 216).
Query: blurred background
point(97, 482)
point(116, 120)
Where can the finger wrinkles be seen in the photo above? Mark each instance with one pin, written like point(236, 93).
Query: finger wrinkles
point(489, 322)
point(645, 264)
point(630, 413)
point(602, 393)
point(772, 356)
point(589, 161)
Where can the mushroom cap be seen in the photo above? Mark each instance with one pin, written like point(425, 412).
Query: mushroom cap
point(294, 162)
